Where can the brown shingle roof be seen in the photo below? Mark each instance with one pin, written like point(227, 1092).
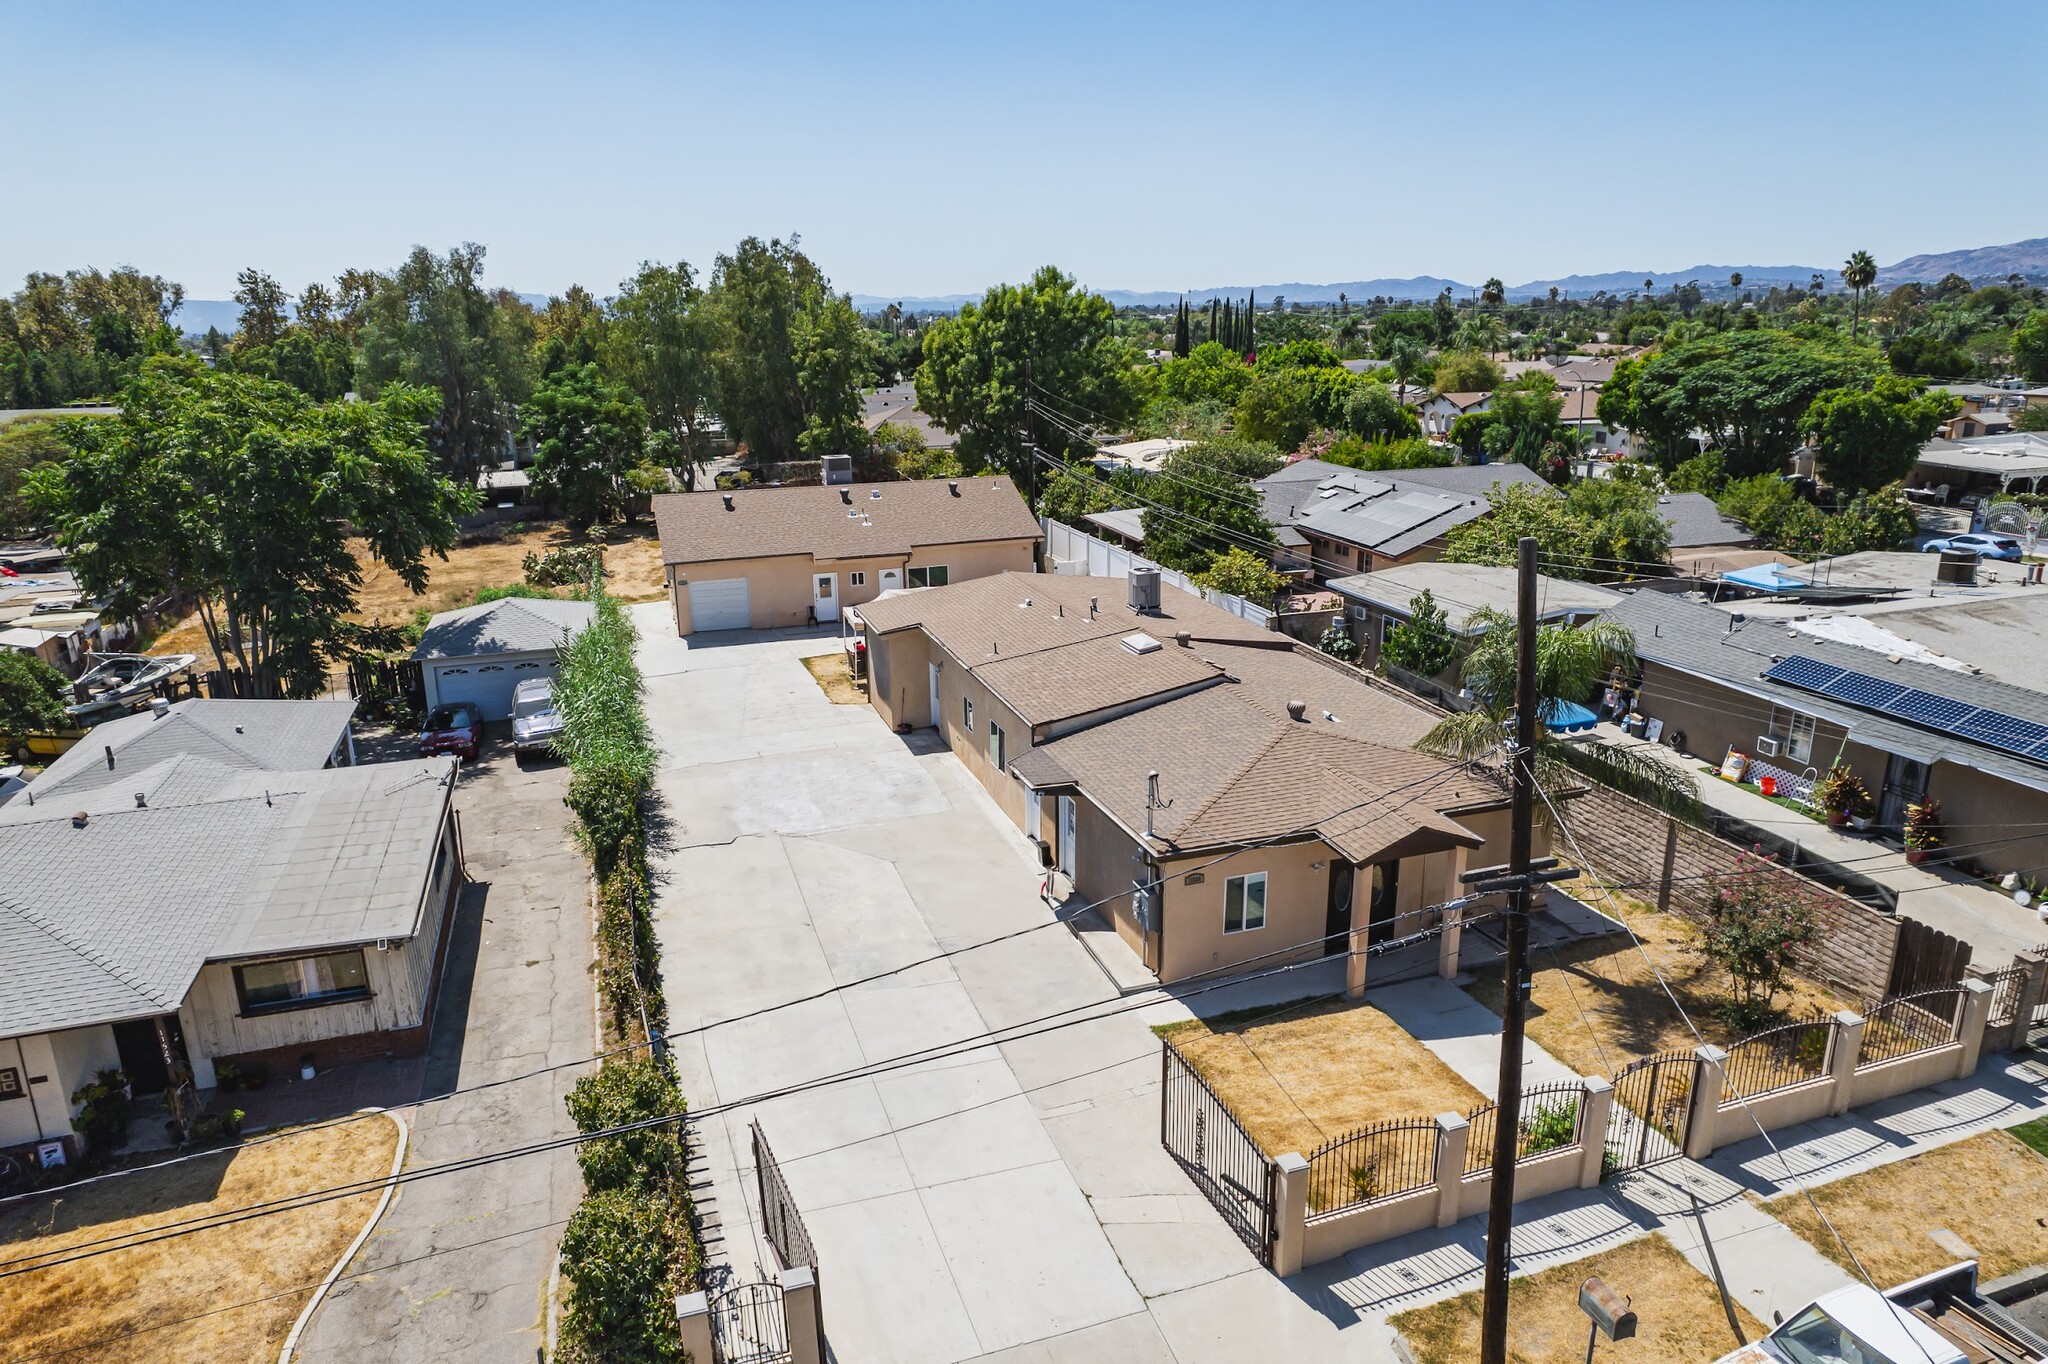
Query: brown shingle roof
point(854, 521)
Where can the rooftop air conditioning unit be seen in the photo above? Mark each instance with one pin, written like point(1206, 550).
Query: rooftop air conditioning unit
point(1144, 589)
point(1769, 745)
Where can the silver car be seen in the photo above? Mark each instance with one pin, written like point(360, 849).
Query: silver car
point(535, 721)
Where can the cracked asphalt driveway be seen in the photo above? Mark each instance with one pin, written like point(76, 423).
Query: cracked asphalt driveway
point(458, 1268)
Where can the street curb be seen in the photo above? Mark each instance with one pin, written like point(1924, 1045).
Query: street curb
point(291, 1341)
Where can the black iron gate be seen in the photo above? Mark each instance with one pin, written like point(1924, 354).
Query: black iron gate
point(1207, 1141)
point(748, 1325)
point(1652, 1105)
point(779, 1217)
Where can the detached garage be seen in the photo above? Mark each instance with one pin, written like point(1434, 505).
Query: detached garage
point(481, 653)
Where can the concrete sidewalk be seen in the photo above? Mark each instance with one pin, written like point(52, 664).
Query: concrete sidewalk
point(1995, 927)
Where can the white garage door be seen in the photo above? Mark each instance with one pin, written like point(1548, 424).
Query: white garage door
point(487, 681)
point(720, 604)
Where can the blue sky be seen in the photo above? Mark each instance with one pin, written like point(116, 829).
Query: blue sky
point(927, 149)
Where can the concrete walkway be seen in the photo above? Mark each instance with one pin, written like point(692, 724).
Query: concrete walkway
point(1995, 927)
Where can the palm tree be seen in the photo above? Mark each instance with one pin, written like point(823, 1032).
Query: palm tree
point(1553, 295)
point(1735, 280)
point(1649, 285)
point(1344, 302)
point(1405, 359)
point(1859, 272)
point(1492, 292)
point(1571, 663)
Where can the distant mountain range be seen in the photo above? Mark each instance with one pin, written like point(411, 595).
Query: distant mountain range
point(1981, 264)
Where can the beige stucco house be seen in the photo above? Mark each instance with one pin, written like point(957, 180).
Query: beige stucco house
point(1228, 796)
point(758, 558)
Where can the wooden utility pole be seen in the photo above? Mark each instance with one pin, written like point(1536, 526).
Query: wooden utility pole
point(1507, 1114)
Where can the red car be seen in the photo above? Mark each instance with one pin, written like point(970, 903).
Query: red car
point(454, 727)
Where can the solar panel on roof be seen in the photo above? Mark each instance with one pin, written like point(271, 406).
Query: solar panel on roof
point(1808, 673)
point(1925, 708)
point(2039, 751)
point(2002, 731)
point(1861, 689)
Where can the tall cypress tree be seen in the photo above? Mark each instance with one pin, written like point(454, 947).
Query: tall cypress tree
point(1180, 330)
point(1251, 326)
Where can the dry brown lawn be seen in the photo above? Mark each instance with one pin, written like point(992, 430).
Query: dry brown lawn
point(1596, 1006)
point(632, 556)
point(1990, 1190)
point(1315, 1072)
point(182, 1295)
point(836, 678)
point(1678, 1313)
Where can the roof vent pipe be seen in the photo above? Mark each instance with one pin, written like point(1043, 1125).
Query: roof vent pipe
point(79, 820)
point(846, 496)
point(158, 707)
point(110, 757)
point(728, 500)
point(1091, 616)
point(1184, 638)
point(140, 802)
point(953, 485)
point(1297, 710)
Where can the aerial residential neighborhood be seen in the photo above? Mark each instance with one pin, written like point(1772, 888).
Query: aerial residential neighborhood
point(687, 684)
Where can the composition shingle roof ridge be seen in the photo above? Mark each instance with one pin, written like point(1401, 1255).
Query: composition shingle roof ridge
point(1224, 787)
point(86, 952)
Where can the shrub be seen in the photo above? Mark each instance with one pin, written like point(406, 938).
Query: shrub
point(569, 566)
point(1923, 824)
point(628, 958)
point(103, 1111)
point(491, 594)
point(1758, 926)
point(1423, 644)
point(628, 1089)
point(626, 1258)
point(606, 802)
point(1550, 1126)
point(1338, 643)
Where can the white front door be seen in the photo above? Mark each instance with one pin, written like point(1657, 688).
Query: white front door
point(1032, 818)
point(891, 579)
point(825, 595)
point(1067, 860)
point(935, 691)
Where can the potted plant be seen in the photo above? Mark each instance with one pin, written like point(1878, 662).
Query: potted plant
point(1842, 794)
point(1923, 829)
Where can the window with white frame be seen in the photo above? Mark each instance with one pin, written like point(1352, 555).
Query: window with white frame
point(1387, 624)
point(995, 745)
point(967, 713)
point(927, 575)
point(1798, 732)
point(857, 579)
point(1244, 903)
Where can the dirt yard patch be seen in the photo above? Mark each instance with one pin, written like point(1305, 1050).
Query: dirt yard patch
point(836, 678)
point(1629, 1015)
point(1298, 1078)
point(1678, 1313)
point(181, 1298)
point(1990, 1190)
point(632, 556)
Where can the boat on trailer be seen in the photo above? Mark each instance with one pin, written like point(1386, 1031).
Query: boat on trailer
point(122, 682)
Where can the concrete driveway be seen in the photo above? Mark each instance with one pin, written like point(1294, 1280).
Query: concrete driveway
point(1007, 1203)
point(459, 1266)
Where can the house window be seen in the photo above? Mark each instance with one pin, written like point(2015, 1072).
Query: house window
point(1244, 903)
point(967, 713)
point(1798, 731)
point(301, 982)
point(995, 744)
point(856, 580)
point(1387, 624)
point(931, 575)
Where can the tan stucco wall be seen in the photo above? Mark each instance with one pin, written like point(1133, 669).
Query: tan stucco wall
point(900, 687)
point(779, 587)
point(955, 687)
point(1297, 907)
point(1982, 813)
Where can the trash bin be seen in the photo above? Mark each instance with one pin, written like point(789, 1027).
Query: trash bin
point(1768, 785)
point(1632, 726)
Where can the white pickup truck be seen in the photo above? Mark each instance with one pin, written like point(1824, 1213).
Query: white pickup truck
point(1937, 1319)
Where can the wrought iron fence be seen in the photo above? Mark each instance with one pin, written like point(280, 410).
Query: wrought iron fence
point(1652, 1110)
point(1906, 1024)
point(1370, 1164)
point(2006, 988)
point(749, 1325)
point(1778, 1058)
point(1208, 1142)
point(779, 1216)
point(1550, 1118)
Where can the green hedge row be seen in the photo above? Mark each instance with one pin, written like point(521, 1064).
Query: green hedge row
point(630, 1248)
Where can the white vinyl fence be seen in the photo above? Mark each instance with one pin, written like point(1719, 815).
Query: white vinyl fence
point(1075, 552)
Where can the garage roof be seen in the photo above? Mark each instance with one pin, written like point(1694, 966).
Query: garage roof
point(854, 521)
point(512, 625)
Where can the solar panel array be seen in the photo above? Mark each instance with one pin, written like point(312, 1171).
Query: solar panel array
point(1993, 729)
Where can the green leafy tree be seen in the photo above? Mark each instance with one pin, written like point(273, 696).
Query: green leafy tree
point(32, 695)
point(1703, 473)
point(1859, 272)
point(26, 445)
point(1408, 453)
point(1423, 644)
point(1206, 504)
point(1078, 489)
point(1522, 425)
point(263, 302)
point(1930, 357)
point(2030, 347)
point(1209, 373)
point(431, 324)
point(1284, 405)
point(1242, 574)
point(757, 294)
point(1336, 641)
point(1466, 371)
point(242, 494)
point(659, 346)
point(1599, 529)
point(1746, 390)
point(1774, 514)
point(2032, 417)
point(1868, 437)
point(1373, 412)
point(587, 434)
point(618, 1255)
point(831, 364)
point(972, 381)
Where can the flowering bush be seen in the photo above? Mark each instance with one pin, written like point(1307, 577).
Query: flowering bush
point(1759, 924)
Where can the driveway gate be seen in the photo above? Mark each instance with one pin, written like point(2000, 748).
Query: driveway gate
point(1652, 1104)
point(748, 1326)
point(1208, 1142)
